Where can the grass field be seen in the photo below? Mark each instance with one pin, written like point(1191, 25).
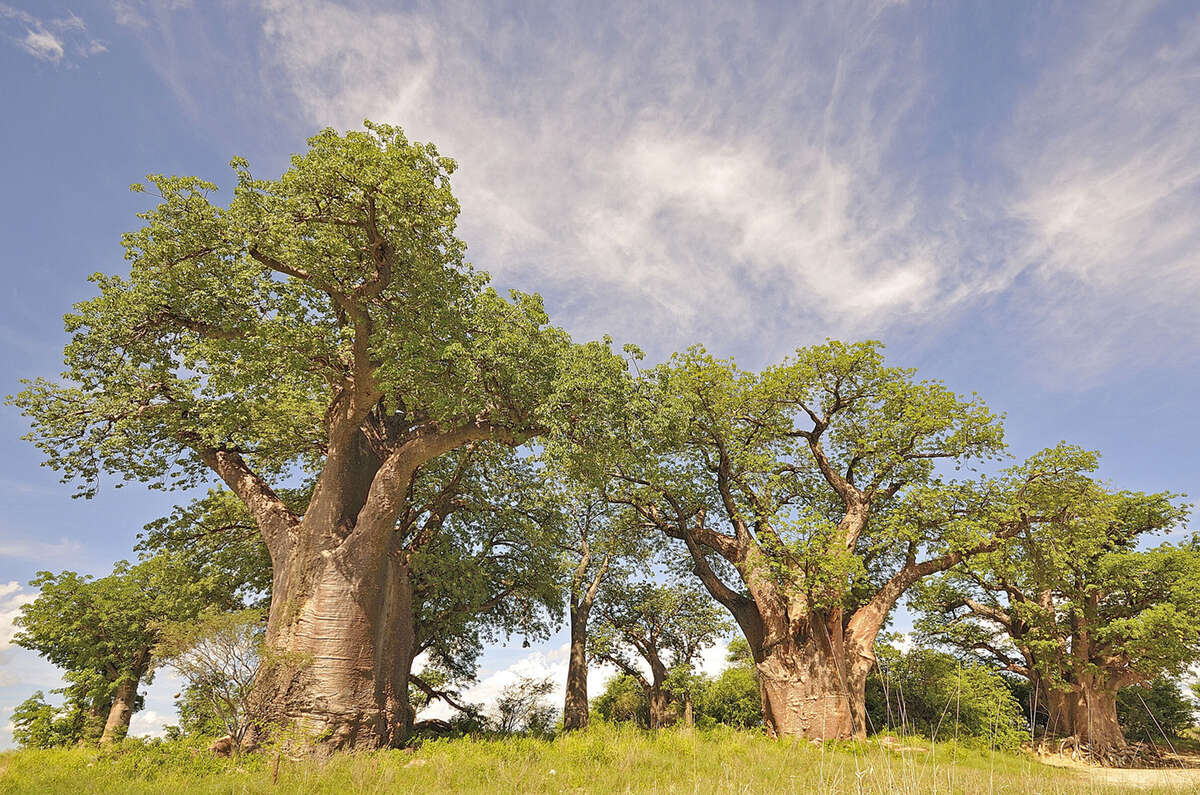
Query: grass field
point(603, 759)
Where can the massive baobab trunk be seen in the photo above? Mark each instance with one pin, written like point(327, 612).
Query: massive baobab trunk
point(349, 622)
point(661, 713)
point(341, 602)
point(1088, 714)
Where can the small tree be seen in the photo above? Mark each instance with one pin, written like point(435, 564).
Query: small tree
point(522, 707)
point(930, 692)
point(222, 657)
point(1155, 710)
point(103, 631)
point(623, 700)
point(733, 697)
point(663, 626)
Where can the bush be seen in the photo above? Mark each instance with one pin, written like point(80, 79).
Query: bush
point(732, 699)
point(930, 692)
point(1148, 711)
point(623, 701)
point(521, 707)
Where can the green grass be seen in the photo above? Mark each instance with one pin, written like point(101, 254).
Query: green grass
point(603, 759)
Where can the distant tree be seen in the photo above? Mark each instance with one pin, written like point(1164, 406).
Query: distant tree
point(104, 630)
point(733, 697)
point(86, 700)
point(326, 324)
point(1072, 603)
point(660, 626)
point(473, 537)
point(522, 707)
point(778, 484)
point(596, 542)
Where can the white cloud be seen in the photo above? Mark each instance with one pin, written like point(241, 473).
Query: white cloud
point(12, 596)
point(1107, 169)
point(43, 44)
point(50, 39)
point(136, 14)
point(148, 723)
point(660, 185)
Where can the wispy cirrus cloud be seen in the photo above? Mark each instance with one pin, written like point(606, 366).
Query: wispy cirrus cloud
point(55, 39)
point(759, 178)
point(38, 550)
point(661, 173)
point(1107, 190)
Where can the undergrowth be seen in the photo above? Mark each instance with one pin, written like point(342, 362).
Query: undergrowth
point(603, 759)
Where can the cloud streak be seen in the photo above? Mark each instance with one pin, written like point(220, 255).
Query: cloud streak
point(51, 39)
point(663, 186)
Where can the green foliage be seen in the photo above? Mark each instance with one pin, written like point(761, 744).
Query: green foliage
point(37, 724)
point(102, 631)
point(623, 700)
point(239, 326)
point(731, 698)
point(521, 707)
point(483, 565)
point(223, 660)
point(787, 477)
point(665, 625)
point(603, 758)
point(219, 534)
point(1079, 579)
point(930, 692)
point(1154, 711)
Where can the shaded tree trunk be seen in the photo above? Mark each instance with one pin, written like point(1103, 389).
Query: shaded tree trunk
point(689, 713)
point(117, 724)
point(803, 694)
point(94, 720)
point(1089, 715)
point(575, 707)
point(661, 714)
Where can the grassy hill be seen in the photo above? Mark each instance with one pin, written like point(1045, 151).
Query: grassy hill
point(603, 759)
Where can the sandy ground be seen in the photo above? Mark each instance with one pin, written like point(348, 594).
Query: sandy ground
point(1185, 777)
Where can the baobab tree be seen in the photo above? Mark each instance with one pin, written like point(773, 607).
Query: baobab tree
point(323, 324)
point(647, 629)
point(1072, 604)
point(781, 485)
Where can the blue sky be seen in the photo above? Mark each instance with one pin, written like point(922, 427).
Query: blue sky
point(1006, 193)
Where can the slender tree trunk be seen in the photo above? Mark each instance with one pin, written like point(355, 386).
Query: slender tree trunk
point(117, 725)
point(575, 707)
point(689, 714)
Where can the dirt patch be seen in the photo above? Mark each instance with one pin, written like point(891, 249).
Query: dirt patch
point(1183, 776)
